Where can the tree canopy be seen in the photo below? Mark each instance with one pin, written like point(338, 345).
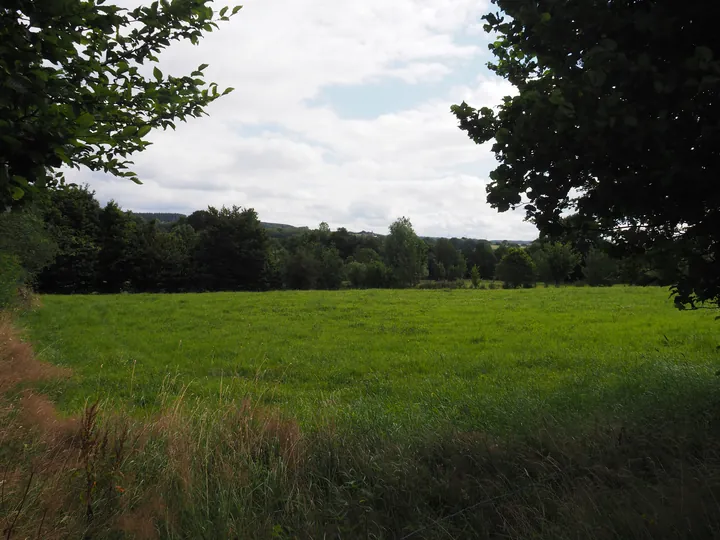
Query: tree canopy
point(74, 88)
point(615, 119)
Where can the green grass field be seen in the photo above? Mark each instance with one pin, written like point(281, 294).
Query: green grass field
point(386, 361)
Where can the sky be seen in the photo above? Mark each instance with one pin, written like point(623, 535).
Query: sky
point(341, 113)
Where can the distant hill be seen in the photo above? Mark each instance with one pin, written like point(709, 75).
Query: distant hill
point(283, 229)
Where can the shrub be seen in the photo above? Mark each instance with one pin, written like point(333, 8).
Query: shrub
point(516, 269)
point(475, 276)
point(12, 277)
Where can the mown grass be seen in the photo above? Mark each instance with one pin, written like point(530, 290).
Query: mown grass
point(386, 361)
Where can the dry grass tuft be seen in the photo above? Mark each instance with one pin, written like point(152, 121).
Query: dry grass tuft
point(17, 362)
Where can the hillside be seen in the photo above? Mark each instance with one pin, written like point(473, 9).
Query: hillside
point(283, 229)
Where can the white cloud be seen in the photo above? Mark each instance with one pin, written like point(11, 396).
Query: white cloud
point(265, 146)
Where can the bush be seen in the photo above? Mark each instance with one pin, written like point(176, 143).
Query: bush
point(444, 284)
point(12, 277)
point(516, 269)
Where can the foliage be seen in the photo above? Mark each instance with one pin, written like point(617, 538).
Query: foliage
point(356, 274)
point(231, 250)
point(516, 268)
point(600, 269)
point(475, 277)
point(73, 219)
point(555, 262)
point(111, 250)
point(482, 255)
point(610, 123)
point(405, 254)
point(73, 91)
point(12, 277)
point(25, 236)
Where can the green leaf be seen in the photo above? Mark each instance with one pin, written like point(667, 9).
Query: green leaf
point(228, 90)
point(85, 120)
point(129, 130)
point(17, 193)
point(236, 9)
point(157, 73)
point(20, 180)
point(202, 66)
point(545, 17)
point(144, 131)
point(223, 11)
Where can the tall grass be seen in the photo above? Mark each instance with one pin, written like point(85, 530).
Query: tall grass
point(241, 470)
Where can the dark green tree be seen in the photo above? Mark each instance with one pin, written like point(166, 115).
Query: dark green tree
point(599, 270)
point(301, 268)
point(25, 235)
point(516, 269)
point(72, 216)
point(331, 268)
point(72, 91)
point(482, 256)
point(377, 275)
point(405, 254)
point(356, 273)
point(117, 237)
point(555, 262)
point(232, 251)
point(26, 248)
point(616, 118)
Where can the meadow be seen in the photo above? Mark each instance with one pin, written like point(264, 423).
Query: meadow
point(388, 361)
point(549, 413)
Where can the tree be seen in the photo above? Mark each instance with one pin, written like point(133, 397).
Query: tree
point(301, 268)
point(232, 251)
point(331, 268)
point(516, 269)
point(25, 235)
point(26, 248)
point(475, 277)
point(72, 217)
point(482, 256)
point(115, 240)
point(377, 275)
point(611, 123)
point(406, 254)
point(600, 270)
point(555, 262)
point(72, 91)
point(356, 273)
point(459, 269)
point(449, 258)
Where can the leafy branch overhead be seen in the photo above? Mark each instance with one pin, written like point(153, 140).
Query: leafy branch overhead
point(616, 120)
point(75, 87)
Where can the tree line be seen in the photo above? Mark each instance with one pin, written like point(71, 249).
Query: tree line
point(71, 244)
